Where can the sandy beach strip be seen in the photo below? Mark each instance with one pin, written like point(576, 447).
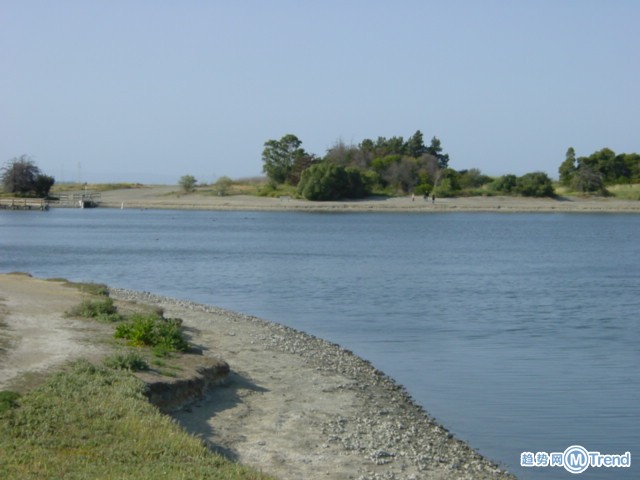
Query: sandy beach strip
point(169, 197)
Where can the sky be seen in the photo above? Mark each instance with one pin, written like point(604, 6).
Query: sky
point(150, 90)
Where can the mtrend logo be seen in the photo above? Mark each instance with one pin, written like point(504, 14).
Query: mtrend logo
point(575, 459)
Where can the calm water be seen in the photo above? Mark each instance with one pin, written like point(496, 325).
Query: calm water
point(519, 332)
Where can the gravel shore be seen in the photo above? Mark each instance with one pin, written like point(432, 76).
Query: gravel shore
point(297, 406)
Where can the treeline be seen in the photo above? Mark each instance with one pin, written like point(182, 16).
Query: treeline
point(385, 165)
point(603, 168)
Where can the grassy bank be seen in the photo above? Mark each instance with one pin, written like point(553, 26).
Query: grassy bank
point(94, 422)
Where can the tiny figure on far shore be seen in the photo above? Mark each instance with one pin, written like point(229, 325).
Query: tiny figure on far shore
point(433, 198)
point(413, 197)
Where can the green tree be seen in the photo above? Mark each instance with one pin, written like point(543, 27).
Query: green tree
point(279, 157)
point(300, 164)
point(22, 176)
point(415, 145)
point(187, 183)
point(587, 180)
point(610, 166)
point(535, 184)
point(435, 149)
point(568, 168)
point(632, 160)
point(43, 185)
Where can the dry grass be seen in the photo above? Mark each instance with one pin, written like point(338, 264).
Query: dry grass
point(625, 191)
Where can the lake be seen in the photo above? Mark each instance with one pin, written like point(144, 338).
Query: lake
point(518, 332)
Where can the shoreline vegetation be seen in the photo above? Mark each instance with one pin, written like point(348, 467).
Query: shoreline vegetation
point(293, 405)
point(207, 198)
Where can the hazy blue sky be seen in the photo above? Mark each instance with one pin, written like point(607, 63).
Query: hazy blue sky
point(150, 90)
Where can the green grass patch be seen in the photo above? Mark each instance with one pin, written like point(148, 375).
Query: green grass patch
point(268, 190)
point(93, 422)
point(8, 400)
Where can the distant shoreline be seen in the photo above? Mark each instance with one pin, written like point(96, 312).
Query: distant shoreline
point(169, 198)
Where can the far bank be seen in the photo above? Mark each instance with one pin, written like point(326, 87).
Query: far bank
point(170, 198)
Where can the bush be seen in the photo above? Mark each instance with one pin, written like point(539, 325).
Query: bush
point(99, 289)
point(223, 185)
point(328, 181)
point(132, 361)
point(187, 183)
point(535, 184)
point(102, 309)
point(153, 330)
point(505, 184)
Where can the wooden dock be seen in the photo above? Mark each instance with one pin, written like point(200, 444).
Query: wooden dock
point(23, 204)
point(81, 199)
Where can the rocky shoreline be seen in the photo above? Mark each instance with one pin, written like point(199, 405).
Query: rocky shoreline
point(360, 424)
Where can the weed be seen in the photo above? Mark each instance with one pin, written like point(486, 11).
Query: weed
point(132, 361)
point(102, 309)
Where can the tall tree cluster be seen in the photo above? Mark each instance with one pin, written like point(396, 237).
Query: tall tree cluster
point(601, 168)
point(386, 163)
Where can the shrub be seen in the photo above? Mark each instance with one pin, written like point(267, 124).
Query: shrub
point(99, 289)
point(126, 361)
point(102, 309)
point(152, 330)
point(505, 184)
point(187, 183)
point(535, 184)
point(223, 185)
point(328, 181)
